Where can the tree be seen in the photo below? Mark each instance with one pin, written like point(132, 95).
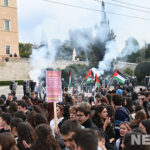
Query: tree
point(128, 71)
point(25, 49)
point(142, 70)
point(147, 52)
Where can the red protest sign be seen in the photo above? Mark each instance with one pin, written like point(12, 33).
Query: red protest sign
point(53, 86)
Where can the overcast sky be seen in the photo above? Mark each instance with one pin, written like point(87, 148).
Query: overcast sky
point(36, 17)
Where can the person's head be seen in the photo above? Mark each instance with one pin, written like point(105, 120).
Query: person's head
point(3, 97)
point(98, 98)
point(140, 115)
point(127, 142)
point(100, 115)
point(24, 131)
point(22, 106)
point(7, 142)
point(80, 98)
point(1, 102)
point(72, 111)
point(145, 126)
point(14, 124)
point(20, 114)
point(43, 138)
point(83, 112)
point(86, 139)
point(117, 100)
point(101, 138)
point(139, 108)
point(60, 110)
point(104, 100)
point(12, 108)
point(67, 130)
point(33, 95)
point(5, 119)
point(10, 96)
point(119, 92)
point(39, 119)
point(124, 128)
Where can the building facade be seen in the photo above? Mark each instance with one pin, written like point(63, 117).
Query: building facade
point(9, 46)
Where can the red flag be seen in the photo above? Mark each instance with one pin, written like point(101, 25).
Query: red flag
point(97, 81)
point(89, 74)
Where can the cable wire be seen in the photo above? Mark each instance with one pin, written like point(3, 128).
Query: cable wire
point(131, 4)
point(123, 6)
point(91, 9)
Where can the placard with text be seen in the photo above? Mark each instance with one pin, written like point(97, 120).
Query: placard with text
point(53, 86)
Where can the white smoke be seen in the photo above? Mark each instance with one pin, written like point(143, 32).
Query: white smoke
point(110, 55)
point(131, 46)
point(41, 59)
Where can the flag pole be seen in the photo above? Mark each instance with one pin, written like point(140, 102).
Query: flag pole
point(55, 115)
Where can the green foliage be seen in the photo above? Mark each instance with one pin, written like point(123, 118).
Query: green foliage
point(3, 83)
point(142, 70)
point(77, 70)
point(134, 57)
point(25, 50)
point(128, 71)
point(147, 52)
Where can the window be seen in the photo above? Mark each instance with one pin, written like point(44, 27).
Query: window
point(5, 2)
point(7, 49)
point(7, 25)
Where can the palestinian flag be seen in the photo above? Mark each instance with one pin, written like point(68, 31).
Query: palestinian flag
point(97, 81)
point(88, 80)
point(89, 74)
point(119, 77)
point(70, 81)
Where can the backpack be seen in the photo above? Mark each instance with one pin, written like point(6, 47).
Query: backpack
point(126, 111)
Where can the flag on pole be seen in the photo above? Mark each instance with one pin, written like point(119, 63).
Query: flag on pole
point(88, 80)
point(119, 77)
point(70, 81)
point(97, 81)
point(88, 77)
point(89, 74)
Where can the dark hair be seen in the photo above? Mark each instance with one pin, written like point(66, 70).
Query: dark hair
point(22, 104)
point(129, 146)
point(117, 99)
point(14, 122)
point(3, 97)
point(138, 108)
point(138, 118)
point(69, 126)
point(24, 131)
point(129, 104)
point(146, 124)
point(12, 108)
point(39, 119)
point(43, 139)
point(87, 139)
point(1, 101)
point(6, 117)
point(96, 118)
point(7, 141)
point(20, 114)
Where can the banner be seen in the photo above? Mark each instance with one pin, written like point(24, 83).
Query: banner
point(53, 86)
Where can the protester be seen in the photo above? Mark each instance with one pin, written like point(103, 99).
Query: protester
point(7, 142)
point(86, 139)
point(67, 131)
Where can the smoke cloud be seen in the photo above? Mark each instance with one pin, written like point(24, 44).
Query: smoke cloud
point(41, 59)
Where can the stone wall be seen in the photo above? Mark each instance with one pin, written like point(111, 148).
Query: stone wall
point(19, 70)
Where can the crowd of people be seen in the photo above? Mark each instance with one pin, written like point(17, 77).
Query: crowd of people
point(105, 119)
